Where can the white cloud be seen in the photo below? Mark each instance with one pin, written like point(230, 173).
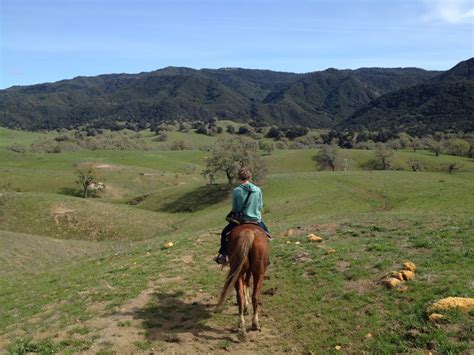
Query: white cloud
point(450, 11)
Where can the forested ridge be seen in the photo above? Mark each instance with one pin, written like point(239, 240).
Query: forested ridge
point(366, 98)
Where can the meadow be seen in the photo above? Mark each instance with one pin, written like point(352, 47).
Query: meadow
point(92, 274)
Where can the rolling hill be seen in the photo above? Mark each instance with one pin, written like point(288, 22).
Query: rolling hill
point(92, 275)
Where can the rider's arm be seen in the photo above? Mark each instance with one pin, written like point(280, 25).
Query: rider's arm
point(235, 206)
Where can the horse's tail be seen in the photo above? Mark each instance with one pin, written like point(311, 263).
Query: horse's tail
point(237, 261)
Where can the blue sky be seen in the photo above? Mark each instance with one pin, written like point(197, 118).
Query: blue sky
point(49, 40)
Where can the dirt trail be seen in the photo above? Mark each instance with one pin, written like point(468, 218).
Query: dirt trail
point(164, 319)
point(170, 316)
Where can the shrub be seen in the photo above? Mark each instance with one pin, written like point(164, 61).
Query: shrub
point(162, 137)
point(243, 130)
point(267, 147)
point(327, 157)
point(180, 145)
point(415, 165)
point(383, 156)
point(457, 146)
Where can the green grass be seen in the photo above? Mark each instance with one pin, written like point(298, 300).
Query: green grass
point(61, 255)
point(9, 137)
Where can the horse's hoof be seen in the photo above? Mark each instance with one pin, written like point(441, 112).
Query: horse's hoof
point(256, 327)
point(218, 309)
point(246, 312)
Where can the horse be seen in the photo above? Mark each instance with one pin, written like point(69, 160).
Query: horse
point(248, 250)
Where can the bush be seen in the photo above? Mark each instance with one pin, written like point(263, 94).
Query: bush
point(457, 146)
point(275, 133)
point(369, 145)
point(201, 130)
point(383, 156)
point(327, 157)
point(243, 130)
point(180, 145)
point(17, 148)
point(162, 137)
point(267, 147)
point(415, 165)
point(295, 132)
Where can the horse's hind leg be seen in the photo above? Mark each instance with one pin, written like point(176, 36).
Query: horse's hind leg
point(257, 287)
point(247, 293)
point(239, 288)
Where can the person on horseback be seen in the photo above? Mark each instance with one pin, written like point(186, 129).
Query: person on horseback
point(247, 203)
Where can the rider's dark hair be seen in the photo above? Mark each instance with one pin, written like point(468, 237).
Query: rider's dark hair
point(245, 174)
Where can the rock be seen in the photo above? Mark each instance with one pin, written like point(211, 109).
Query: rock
point(397, 275)
point(288, 242)
point(436, 317)
point(290, 232)
point(408, 265)
point(302, 257)
point(337, 347)
point(330, 251)
point(168, 245)
point(368, 336)
point(391, 282)
point(297, 243)
point(314, 238)
point(464, 304)
point(407, 275)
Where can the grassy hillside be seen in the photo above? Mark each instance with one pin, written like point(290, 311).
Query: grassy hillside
point(9, 137)
point(92, 275)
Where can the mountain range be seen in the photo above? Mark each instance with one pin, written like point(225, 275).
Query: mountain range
point(367, 98)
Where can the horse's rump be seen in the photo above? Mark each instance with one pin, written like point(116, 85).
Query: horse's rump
point(240, 245)
point(246, 242)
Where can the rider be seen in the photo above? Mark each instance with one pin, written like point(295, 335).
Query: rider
point(251, 213)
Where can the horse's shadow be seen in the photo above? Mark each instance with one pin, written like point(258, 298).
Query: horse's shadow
point(167, 315)
point(198, 199)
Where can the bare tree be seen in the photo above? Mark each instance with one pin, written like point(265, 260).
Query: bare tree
point(327, 157)
point(88, 178)
point(383, 156)
point(451, 167)
point(228, 155)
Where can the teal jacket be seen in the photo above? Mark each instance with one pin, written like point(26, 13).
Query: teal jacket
point(254, 205)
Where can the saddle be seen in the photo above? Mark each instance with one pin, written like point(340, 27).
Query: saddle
point(255, 224)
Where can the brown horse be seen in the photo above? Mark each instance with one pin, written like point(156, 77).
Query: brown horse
point(248, 249)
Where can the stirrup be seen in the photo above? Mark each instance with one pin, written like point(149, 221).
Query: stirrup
point(221, 259)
